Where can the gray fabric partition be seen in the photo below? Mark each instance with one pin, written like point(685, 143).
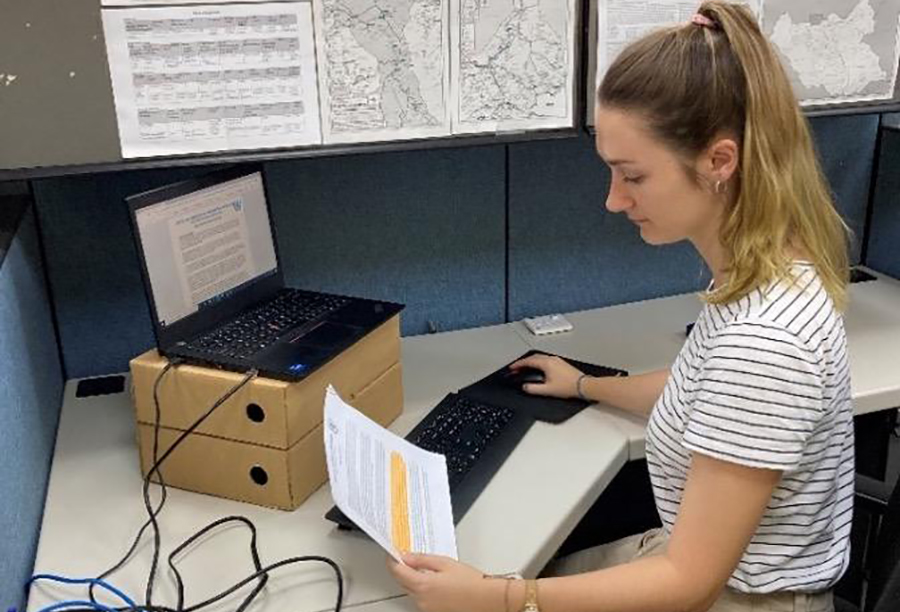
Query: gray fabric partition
point(568, 253)
point(423, 228)
point(30, 393)
point(884, 233)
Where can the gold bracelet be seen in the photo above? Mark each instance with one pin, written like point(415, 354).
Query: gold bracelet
point(508, 578)
point(531, 597)
point(506, 595)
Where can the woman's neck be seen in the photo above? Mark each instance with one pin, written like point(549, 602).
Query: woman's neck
point(714, 254)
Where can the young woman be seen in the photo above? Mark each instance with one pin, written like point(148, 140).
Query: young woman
point(750, 432)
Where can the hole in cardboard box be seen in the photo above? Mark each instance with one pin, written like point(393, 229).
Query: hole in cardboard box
point(255, 413)
point(259, 475)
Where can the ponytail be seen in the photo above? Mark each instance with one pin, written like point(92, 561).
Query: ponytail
point(718, 74)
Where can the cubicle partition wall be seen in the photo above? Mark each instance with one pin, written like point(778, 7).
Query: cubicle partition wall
point(465, 237)
point(882, 252)
point(31, 384)
point(566, 252)
point(423, 228)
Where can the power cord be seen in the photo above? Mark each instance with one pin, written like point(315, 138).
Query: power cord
point(261, 573)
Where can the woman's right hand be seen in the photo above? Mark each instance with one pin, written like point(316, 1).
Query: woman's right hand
point(560, 378)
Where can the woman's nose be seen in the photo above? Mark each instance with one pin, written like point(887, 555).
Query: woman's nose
point(618, 199)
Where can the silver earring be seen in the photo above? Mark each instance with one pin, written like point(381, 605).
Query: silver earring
point(720, 187)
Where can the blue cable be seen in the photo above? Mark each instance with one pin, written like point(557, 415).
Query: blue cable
point(101, 583)
point(77, 603)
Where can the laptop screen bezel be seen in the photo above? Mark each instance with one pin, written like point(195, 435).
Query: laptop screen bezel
point(211, 316)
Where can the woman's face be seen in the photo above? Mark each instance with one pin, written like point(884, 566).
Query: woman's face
point(650, 185)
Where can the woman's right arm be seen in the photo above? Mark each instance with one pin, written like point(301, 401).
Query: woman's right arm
point(636, 394)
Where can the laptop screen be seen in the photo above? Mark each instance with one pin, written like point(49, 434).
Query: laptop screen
point(205, 245)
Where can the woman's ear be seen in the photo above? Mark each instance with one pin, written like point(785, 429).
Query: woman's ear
point(721, 159)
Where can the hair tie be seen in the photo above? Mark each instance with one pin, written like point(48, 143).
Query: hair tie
point(703, 21)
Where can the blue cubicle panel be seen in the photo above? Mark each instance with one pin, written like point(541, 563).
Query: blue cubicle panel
point(883, 253)
point(846, 146)
point(424, 228)
point(568, 253)
point(92, 267)
point(30, 393)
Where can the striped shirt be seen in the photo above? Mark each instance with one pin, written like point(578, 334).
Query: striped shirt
point(765, 382)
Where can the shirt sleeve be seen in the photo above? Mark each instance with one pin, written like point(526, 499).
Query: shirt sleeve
point(759, 397)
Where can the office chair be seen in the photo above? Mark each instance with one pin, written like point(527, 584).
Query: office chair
point(878, 516)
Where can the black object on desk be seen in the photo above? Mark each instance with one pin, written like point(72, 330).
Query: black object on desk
point(495, 389)
point(470, 434)
point(477, 429)
point(860, 276)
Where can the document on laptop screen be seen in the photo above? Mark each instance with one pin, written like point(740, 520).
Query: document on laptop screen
point(396, 492)
point(211, 248)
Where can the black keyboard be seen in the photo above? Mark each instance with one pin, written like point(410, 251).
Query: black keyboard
point(461, 430)
point(258, 327)
point(476, 438)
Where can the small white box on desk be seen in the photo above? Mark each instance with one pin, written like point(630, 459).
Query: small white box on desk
point(547, 324)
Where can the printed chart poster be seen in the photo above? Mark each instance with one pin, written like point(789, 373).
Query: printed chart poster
point(213, 78)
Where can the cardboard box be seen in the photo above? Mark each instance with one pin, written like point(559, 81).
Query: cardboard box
point(264, 445)
point(262, 474)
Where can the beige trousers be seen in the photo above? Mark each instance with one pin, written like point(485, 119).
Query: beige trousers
point(654, 542)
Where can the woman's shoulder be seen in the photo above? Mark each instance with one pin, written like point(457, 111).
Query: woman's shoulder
point(794, 306)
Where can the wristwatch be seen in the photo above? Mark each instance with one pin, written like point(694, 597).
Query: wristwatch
point(531, 597)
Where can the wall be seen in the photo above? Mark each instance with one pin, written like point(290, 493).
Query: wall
point(30, 394)
point(882, 251)
point(464, 237)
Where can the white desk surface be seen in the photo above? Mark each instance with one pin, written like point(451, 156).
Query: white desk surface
point(645, 336)
point(93, 507)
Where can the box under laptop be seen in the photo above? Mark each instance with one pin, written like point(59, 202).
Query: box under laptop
point(216, 290)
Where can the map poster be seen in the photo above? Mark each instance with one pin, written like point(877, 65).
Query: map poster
point(383, 69)
point(837, 51)
point(513, 64)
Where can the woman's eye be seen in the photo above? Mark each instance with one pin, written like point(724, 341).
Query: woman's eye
point(634, 179)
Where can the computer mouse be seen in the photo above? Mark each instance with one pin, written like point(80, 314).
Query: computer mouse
point(517, 378)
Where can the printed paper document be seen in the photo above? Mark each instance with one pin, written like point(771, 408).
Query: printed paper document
point(396, 492)
point(214, 77)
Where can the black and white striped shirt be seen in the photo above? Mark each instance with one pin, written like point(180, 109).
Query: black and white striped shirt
point(765, 382)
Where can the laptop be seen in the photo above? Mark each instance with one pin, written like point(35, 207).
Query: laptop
point(215, 288)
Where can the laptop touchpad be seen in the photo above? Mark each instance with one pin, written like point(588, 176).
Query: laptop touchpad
point(330, 334)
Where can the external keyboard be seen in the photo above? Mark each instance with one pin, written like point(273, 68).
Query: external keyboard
point(461, 430)
point(258, 327)
point(476, 438)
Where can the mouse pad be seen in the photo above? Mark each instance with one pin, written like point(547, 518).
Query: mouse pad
point(495, 389)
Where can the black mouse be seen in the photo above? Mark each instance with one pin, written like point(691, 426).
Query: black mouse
point(517, 378)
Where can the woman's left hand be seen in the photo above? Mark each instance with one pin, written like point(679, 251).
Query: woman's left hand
point(441, 584)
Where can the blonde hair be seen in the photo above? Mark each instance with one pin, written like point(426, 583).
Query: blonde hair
point(694, 82)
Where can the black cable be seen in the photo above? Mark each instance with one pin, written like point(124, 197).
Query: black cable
point(253, 551)
point(118, 565)
point(339, 600)
point(261, 573)
point(155, 468)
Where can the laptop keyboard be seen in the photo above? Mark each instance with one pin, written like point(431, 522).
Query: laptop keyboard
point(257, 328)
point(461, 429)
